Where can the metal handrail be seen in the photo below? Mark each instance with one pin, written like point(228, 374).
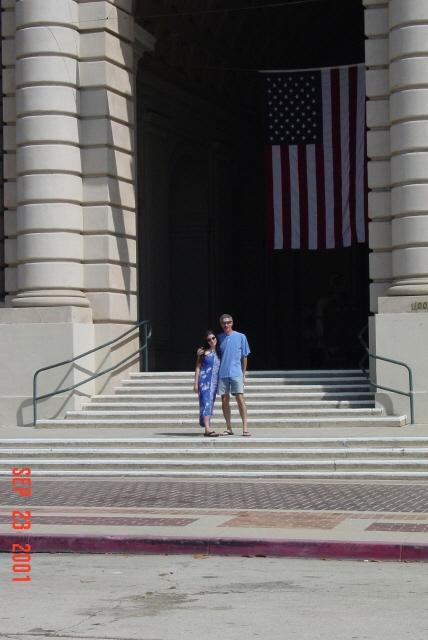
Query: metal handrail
point(143, 349)
point(369, 355)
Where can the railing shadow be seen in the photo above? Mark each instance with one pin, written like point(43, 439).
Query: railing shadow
point(369, 355)
point(141, 351)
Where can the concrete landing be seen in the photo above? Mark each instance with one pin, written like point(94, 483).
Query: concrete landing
point(11, 431)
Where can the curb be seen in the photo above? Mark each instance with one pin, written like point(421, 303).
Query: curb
point(259, 547)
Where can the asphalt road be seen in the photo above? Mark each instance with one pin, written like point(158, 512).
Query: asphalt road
point(102, 597)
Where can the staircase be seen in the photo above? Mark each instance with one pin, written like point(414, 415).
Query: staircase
point(354, 458)
point(274, 399)
point(164, 403)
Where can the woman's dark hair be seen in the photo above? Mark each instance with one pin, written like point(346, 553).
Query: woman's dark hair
point(205, 343)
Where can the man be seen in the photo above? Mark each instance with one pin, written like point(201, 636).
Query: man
point(234, 350)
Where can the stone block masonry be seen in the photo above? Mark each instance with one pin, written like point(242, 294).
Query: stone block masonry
point(69, 193)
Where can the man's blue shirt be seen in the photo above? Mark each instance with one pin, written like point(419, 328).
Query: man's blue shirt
point(233, 347)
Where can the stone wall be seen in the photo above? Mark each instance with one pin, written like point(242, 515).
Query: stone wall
point(69, 195)
point(397, 77)
point(72, 177)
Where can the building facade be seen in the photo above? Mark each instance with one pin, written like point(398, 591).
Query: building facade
point(80, 161)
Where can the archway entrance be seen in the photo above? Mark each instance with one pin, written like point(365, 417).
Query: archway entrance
point(202, 215)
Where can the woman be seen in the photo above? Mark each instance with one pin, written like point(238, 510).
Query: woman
point(206, 380)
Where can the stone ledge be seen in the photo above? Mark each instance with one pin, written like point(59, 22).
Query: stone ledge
point(45, 315)
point(403, 304)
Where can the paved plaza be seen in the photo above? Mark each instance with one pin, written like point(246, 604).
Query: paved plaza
point(382, 518)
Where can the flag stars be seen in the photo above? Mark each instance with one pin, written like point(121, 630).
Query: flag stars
point(292, 107)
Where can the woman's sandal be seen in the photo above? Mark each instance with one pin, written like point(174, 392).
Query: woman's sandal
point(211, 434)
point(246, 433)
point(227, 433)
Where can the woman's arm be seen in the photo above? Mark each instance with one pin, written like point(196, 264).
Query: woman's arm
point(199, 357)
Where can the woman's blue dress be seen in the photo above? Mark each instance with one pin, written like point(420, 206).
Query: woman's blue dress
point(207, 384)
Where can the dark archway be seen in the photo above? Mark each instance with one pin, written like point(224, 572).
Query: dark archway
point(201, 210)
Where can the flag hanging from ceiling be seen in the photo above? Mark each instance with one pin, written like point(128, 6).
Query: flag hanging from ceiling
point(315, 135)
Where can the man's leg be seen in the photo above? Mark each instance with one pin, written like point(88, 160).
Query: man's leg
point(242, 411)
point(225, 405)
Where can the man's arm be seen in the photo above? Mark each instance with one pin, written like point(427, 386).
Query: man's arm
point(244, 365)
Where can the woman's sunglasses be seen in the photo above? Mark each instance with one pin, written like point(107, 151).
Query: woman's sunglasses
point(211, 339)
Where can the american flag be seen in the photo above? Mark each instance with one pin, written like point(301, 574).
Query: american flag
point(315, 134)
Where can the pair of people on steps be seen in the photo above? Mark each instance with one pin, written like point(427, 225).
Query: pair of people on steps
point(221, 366)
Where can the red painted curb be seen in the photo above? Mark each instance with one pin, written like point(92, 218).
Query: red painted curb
point(333, 549)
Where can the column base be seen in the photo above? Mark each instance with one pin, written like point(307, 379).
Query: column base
point(54, 298)
point(409, 288)
point(399, 331)
point(31, 338)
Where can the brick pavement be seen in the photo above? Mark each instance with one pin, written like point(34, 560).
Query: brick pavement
point(323, 518)
point(227, 494)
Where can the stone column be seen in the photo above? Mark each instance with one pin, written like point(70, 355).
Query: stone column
point(46, 318)
point(409, 144)
point(400, 328)
point(9, 144)
point(48, 163)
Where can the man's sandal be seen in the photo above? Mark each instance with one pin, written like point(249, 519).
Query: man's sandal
point(227, 433)
point(246, 433)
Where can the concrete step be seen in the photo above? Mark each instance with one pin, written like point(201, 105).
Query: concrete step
point(26, 454)
point(289, 373)
point(251, 389)
point(284, 395)
point(179, 474)
point(397, 442)
point(316, 422)
point(136, 402)
point(208, 465)
point(136, 379)
point(197, 440)
point(368, 457)
point(113, 412)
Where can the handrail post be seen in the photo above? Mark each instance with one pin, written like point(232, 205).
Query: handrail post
point(35, 399)
point(412, 413)
point(146, 349)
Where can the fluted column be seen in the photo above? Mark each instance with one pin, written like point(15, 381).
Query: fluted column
point(378, 147)
point(409, 146)
point(9, 144)
point(48, 164)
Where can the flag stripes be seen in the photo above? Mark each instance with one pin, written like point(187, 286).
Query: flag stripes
point(318, 189)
